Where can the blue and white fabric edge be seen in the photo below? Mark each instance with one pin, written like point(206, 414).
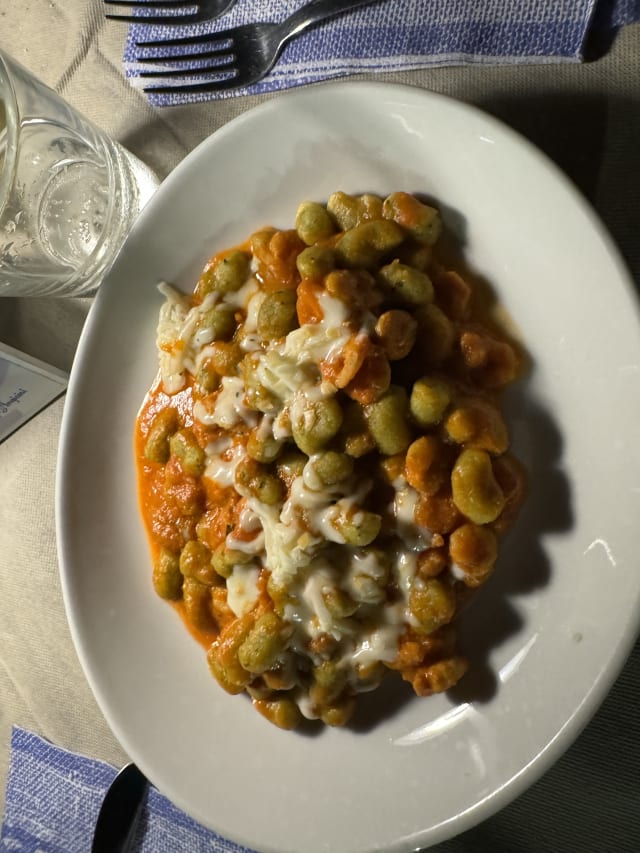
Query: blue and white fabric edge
point(53, 798)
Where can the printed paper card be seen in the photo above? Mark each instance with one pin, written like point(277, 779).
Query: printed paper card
point(27, 385)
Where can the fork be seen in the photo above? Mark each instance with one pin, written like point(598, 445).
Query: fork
point(242, 54)
point(206, 10)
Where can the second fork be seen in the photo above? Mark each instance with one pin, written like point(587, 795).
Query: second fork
point(201, 10)
point(242, 55)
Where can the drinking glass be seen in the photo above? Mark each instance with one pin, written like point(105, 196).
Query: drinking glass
point(68, 193)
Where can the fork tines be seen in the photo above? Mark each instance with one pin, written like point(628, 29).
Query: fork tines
point(219, 63)
point(220, 83)
point(195, 40)
point(211, 66)
point(212, 63)
point(159, 9)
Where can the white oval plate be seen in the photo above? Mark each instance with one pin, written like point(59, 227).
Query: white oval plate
point(549, 633)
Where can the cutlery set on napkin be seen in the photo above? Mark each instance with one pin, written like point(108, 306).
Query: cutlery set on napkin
point(197, 51)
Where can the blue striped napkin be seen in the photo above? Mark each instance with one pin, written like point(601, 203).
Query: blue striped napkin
point(398, 35)
point(54, 796)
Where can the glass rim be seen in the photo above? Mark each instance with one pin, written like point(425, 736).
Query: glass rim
point(10, 105)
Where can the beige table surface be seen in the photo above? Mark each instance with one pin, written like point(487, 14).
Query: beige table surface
point(586, 117)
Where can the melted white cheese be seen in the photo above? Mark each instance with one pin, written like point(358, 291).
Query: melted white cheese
point(291, 538)
point(240, 298)
point(415, 537)
point(229, 408)
point(291, 368)
point(242, 588)
point(380, 644)
point(218, 446)
point(319, 581)
point(173, 314)
point(248, 520)
point(253, 309)
point(247, 546)
point(221, 467)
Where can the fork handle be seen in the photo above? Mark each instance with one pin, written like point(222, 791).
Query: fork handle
point(318, 10)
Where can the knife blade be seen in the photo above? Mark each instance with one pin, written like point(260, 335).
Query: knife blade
point(119, 812)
